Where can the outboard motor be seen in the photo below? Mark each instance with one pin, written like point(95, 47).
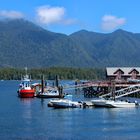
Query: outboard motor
point(136, 103)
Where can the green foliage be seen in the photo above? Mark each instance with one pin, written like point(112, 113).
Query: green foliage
point(10, 73)
point(24, 44)
point(50, 73)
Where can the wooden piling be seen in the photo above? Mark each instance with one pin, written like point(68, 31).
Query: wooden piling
point(56, 81)
point(60, 89)
point(42, 84)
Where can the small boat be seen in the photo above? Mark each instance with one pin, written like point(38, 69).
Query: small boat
point(66, 102)
point(113, 103)
point(120, 104)
point(25, 89)
point(49, 93)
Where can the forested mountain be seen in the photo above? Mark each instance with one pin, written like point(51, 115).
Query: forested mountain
point(23, 43)
point(120, 48)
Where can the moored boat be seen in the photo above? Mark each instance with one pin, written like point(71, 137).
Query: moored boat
point(113, 103)
point(49, 93)
point(25, 90)
point(120, 104)
point(65, 103)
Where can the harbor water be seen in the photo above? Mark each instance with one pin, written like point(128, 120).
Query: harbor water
point(32, 119)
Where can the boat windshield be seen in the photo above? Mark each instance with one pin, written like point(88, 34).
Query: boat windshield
point(26, 84)
point(54, 91)
point(69, 97)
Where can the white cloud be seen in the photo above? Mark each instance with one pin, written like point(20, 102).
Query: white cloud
point(52, 15)
point(110, 22)
point(11, 14)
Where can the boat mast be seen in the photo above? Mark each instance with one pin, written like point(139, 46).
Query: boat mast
point(25, 71)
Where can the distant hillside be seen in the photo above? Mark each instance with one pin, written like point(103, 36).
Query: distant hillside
point(120, 48)
point(23, 43)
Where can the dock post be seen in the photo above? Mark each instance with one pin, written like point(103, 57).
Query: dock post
point(60, 89)
point(76, 83)
point(42, 84)
point(56, 81)
point(113, 89)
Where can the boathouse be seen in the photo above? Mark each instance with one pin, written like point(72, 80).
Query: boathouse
point(116, 78)
point(123, 73)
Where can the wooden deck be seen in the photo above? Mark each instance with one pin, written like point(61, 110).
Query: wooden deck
point(102, 87)
point(105, 84)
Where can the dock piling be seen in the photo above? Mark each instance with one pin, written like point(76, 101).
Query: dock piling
point(42, 84)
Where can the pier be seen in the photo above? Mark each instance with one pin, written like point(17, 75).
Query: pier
point(120, 80)
point(101, 88)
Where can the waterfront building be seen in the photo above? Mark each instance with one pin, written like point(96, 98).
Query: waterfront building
point(123, 73)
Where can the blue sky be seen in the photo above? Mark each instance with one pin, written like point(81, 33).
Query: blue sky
point(68, 16)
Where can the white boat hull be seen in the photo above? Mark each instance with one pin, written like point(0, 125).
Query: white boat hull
point(120, 104)
point(112, 103)
point(64, 103)
point(99, 102)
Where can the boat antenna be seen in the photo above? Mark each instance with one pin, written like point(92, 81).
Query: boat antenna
point(26, 73)
point(25, 70)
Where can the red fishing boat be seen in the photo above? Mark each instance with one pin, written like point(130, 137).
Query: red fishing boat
point(25, 89)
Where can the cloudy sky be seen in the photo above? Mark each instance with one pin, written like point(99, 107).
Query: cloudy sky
point(68, 16)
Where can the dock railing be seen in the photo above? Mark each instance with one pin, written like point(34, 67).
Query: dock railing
point(124, 92)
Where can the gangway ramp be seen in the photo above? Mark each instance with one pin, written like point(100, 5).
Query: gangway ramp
point(124, 92)
point(79, 86)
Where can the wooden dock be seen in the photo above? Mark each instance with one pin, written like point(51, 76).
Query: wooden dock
point(99, 88)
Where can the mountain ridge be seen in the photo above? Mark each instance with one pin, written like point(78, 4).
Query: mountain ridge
point(22, 43)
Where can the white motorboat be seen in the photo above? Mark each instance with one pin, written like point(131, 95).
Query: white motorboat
point(120, 104)
point(113, 103)
point(66, 102)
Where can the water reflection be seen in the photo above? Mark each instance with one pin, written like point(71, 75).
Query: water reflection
point(26, 100)
point(26, 108)
point(42, 103)
point(115, 119)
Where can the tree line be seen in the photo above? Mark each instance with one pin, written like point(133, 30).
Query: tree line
point(50, 73)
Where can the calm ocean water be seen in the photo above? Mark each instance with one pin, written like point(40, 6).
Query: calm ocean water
point(32, 119)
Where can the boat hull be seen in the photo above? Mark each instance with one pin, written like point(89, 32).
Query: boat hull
point(62, 103)
point(112, 103)
point(47, 96)
point(119, 104)
point(99, 103)
point(23, 93)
